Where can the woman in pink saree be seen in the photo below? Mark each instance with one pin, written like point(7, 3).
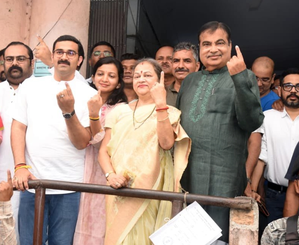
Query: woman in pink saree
point(136, 152)
point(107, 77)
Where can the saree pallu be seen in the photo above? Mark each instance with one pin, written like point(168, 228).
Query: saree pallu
point(135, 153)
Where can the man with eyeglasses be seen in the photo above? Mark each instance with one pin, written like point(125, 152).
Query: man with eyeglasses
point(2, 73)
point(18, 64)
point(263, 68)
point(50, 132)
point(43, 53)
point(164, 58)
point(99, 50)
point(280, 131)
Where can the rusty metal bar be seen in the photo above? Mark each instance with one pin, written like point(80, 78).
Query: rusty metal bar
point(238, 203)
point(177, 207)
point(40, 195)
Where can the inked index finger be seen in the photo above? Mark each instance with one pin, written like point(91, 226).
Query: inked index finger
point(68, 89)
point(9, 180)
point(239, 53)
point(162, 78)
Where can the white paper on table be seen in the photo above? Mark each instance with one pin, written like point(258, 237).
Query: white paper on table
point(192, 226)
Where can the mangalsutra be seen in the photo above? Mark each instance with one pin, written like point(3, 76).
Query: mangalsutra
point(142, 122)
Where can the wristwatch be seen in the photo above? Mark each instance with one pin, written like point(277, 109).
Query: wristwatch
point(68, 115)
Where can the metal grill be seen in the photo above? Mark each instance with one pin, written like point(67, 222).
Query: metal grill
point(108, 22)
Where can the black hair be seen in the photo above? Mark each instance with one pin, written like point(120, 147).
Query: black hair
point(30, 53)
point(213, 26)
point(102, 43)
point(118, 95)
point(187, 46)
point(72, 39)
point(2, 52)
point(288, 72)
point(129, 56)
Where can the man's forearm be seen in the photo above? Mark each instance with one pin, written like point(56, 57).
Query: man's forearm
point(18, 133)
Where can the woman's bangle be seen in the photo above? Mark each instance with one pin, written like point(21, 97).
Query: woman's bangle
point(108, 174)
point(94, 118)
point(20, 164)
point(254, 191)
point(24, 166)
point(162, 109)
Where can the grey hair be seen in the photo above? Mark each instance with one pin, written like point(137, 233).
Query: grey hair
point(187, 46)
point(154, 63)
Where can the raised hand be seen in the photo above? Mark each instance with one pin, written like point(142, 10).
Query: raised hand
point(43, 53)
point(158, 92)
point(65, 99)
point(95, 104)
point(6, 188)
point(236, 63)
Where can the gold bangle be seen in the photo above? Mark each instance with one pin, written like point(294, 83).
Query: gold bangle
point(163, 119)
point(25, 166)
point(94, 118)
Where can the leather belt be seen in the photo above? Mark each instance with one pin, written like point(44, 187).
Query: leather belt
point(276, 187)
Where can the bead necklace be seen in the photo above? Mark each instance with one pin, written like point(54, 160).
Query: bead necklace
point(142, 122)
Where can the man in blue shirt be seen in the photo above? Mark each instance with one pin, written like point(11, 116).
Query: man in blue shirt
point(263, 68)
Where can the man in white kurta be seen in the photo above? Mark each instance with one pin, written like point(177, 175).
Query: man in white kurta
point(16, 70)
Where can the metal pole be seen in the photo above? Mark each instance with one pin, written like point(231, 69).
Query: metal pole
point(39, 215)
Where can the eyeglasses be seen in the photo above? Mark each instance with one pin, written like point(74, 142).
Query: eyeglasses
point(288, 87)
point(263, 79)
point(105, 53)
point(70, 53)
point(20, 59)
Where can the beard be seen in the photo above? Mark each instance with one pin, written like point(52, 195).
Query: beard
point(290, 104)
point(2, 76)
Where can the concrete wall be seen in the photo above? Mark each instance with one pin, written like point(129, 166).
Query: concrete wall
point(23, 20)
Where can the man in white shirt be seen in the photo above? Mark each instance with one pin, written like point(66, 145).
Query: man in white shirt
point(18, 64)
point(280, 131)
point(49, 134)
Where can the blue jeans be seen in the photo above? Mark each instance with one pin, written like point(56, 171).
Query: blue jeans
point(60, 217)
point(274, 204)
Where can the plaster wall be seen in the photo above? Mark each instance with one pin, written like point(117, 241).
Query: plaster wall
point(23, 20)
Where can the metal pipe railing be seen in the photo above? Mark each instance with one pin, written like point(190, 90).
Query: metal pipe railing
point(178, 199)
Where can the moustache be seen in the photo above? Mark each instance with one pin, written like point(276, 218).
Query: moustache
point(181, 69)
point(210, 55)
point(165, 65)
point(15, 67)
point(66, 62)
point(293, 94)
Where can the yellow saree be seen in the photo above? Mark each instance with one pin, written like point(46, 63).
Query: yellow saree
point(135, 153)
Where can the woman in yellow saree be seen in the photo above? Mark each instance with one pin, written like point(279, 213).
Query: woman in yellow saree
point(135, 152)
